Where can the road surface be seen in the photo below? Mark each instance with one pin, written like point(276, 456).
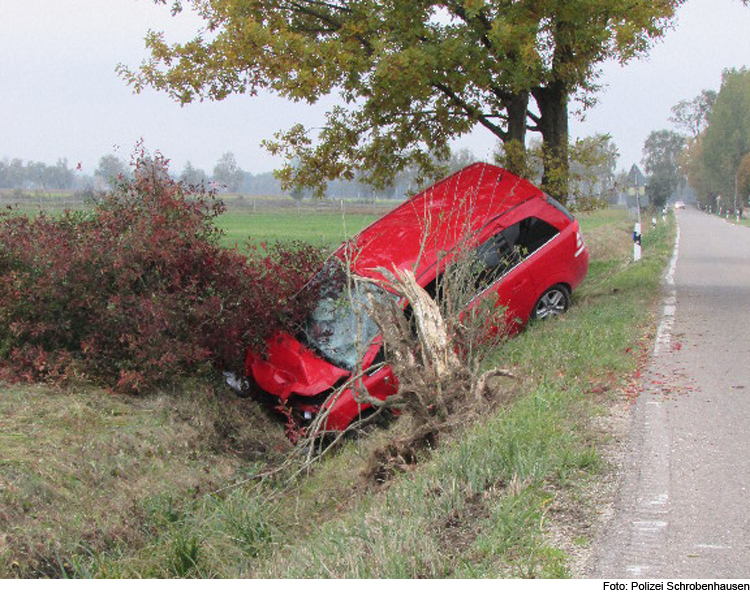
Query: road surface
point(683, 510)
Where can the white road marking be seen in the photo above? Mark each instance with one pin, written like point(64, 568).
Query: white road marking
point(649, 525)
point(664, 332)
point(673, 262)
point(648, 529)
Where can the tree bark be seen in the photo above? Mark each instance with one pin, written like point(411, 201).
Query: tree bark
point(552, 101)
point(515, 140)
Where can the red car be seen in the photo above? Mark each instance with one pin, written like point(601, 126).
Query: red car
point(529, 248)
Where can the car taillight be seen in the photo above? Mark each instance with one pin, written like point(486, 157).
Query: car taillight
point(580, 246)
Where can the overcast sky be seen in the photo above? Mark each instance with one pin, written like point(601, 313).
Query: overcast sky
point(60, 96)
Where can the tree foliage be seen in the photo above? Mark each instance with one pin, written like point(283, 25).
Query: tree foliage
point(691, 115)
point(661, 155)
point(714, 159)
point(727, 136)
point(410, 75)
point(743, 179)
point(593, 161)
point(592, 165)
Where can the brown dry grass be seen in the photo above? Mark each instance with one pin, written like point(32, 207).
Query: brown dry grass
point(81, 471)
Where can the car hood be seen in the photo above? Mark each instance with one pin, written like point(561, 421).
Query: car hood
point(290, 368)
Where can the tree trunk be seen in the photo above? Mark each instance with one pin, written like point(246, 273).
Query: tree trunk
point(552, 102)
point(515, 140)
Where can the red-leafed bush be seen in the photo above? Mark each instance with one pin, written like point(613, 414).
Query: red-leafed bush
point(137, 290)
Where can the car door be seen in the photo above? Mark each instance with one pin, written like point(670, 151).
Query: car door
point(503, 273)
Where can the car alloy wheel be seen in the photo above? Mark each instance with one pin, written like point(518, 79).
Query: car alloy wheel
point(553, 302)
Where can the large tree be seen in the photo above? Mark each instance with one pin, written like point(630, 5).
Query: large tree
point(410, 75)
point(726, 140)
point(227, 173)
point(691, 115)
point(661, 155)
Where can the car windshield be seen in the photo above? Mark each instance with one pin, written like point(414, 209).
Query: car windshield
point(340, 321)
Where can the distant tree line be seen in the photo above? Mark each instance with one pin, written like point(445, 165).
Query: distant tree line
point(30, 175)
point(227, 176)
point(592, 170)
point(709, 150)
point(592, 167)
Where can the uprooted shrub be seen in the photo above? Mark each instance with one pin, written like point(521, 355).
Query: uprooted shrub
point(437, 361)
point(436, 352)
point(136, 290)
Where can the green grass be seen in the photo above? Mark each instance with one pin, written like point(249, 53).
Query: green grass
point(96, 485)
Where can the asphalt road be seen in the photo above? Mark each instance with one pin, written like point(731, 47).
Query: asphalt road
point(683, 510)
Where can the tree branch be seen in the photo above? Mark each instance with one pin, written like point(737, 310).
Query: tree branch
point(471, 111)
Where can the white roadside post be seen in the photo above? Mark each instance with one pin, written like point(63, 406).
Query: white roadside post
point(637, 242)
point(637, 191)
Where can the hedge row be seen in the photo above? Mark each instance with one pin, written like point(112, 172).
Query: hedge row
point(136, 290)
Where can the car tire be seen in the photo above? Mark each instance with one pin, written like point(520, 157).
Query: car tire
point(239, 384)
point(553, 302)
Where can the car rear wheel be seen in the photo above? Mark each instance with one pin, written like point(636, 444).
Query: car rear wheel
point(553, 302)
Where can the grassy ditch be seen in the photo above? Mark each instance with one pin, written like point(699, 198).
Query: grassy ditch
point(511, 496)
point(93, 485)
point(84, 472)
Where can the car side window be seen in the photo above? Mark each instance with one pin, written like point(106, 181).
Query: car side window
point(495, 257)
point(506, 249)
point(534, 233)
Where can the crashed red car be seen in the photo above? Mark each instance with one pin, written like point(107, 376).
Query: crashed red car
point(529, 245)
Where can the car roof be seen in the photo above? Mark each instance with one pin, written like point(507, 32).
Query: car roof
point(454, 211)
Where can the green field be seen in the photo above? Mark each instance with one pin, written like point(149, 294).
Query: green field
point(324, 228)
point(245, 220)
point(329, 228)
